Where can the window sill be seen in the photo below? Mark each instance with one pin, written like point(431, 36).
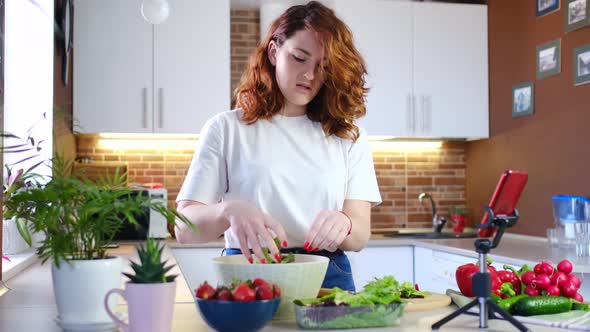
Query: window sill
point(18, 262)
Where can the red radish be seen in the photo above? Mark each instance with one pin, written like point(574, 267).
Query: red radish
point(243, 293)
point(578, 297)
point(546, 268)
point(574, 280)
point(205, 291)
point(538, 269)
point(558, 278)
point(542, 281)
point(565, 266)
point(569, 289)
point(531, 291)
point(528, 277)
point(553, 290)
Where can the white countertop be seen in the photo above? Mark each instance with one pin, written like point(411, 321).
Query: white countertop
point(513, 249)
point(29, 305)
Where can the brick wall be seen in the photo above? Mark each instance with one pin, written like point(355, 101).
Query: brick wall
point(402, 175)
point(245, 36)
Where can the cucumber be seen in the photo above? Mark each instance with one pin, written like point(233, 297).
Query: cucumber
point(542, 305)
point(495, 298)
point(580, 306)
point(508, 303)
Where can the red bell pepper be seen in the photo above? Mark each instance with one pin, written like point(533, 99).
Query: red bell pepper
point(511, 277)
point(464, 274)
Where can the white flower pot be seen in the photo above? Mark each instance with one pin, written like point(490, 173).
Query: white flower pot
point(12, 242)
point(80, 288)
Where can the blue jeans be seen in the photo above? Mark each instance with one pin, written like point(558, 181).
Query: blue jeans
point(339, 272)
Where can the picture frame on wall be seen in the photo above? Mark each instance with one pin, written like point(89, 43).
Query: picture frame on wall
point(576, 14)
point(523, 99)
point(549, 59)
point(544, 7)
point(582, 65)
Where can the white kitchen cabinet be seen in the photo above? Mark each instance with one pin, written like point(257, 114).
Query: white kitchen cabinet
point(427, 66)
point(372, 262)
point(134, 77)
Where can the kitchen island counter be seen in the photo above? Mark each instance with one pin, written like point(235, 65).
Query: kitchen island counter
point(30, 306)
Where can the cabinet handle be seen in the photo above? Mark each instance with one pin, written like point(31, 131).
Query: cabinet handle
point(423, 111)
point(144, 115)
point(429, 113)
point(409, 112)
point(161, 108)
point(413, 113)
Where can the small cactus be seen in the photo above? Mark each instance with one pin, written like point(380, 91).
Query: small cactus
point(150, 269)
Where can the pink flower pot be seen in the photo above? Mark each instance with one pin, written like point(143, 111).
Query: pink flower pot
point(150, 306)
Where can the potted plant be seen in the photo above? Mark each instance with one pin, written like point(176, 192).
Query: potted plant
point(79, 219)
point(457, 218)
point(150, 293)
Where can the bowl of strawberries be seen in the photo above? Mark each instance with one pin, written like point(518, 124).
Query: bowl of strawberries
point(244, 306)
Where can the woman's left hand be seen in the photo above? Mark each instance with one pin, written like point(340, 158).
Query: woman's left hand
point(328, 231)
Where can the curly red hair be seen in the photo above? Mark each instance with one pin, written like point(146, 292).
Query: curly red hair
point(341, 99)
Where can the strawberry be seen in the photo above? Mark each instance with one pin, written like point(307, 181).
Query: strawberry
point(264, 292)
point(259, 282)
point(243, 293)
point(276, 290)
point(205, 292)
point(224, 294)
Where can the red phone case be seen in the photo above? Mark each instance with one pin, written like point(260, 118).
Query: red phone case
point(505, 197)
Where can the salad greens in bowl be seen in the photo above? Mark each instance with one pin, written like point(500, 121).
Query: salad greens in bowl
point(380, 303)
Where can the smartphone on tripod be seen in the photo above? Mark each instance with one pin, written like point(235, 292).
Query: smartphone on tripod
point(505, 197)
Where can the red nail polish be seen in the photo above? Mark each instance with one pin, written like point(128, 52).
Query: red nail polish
point(308, 249)
point(278, 257)
point(251, 260)
point(285, 244)
point(316, 249)
point(305, 245)
point(263, 261)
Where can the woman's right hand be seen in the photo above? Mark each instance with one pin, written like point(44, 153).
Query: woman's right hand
point(249, 224)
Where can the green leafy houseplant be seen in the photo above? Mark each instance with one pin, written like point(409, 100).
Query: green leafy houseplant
point(78, 217)
point(151, 269)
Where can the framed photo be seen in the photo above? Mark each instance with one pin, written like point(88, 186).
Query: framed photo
point(545, 7)
point(523, 97)
point(582, 65)
point(576, 14)
point(549, 59)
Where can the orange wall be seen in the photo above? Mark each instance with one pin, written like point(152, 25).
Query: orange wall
point(551, 144)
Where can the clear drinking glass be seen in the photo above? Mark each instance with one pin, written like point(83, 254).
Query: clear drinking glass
point(553, 235)
point(582, 234)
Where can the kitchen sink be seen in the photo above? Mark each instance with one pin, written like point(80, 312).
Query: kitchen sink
point(431, 235)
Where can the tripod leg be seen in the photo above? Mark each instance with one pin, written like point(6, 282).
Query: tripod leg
point(496, 308)
point(454, 314)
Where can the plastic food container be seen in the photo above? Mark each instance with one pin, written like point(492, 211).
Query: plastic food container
point(347, 317)
point(568, 210)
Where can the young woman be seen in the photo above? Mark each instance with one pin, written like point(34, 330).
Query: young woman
point(289, 162)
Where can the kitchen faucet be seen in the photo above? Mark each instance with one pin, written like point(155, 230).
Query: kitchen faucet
point(437, 224)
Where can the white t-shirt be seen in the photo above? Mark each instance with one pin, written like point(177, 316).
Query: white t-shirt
point(286, 166)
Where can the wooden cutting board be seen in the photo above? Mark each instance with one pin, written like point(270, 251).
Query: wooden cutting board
point(433, 301)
